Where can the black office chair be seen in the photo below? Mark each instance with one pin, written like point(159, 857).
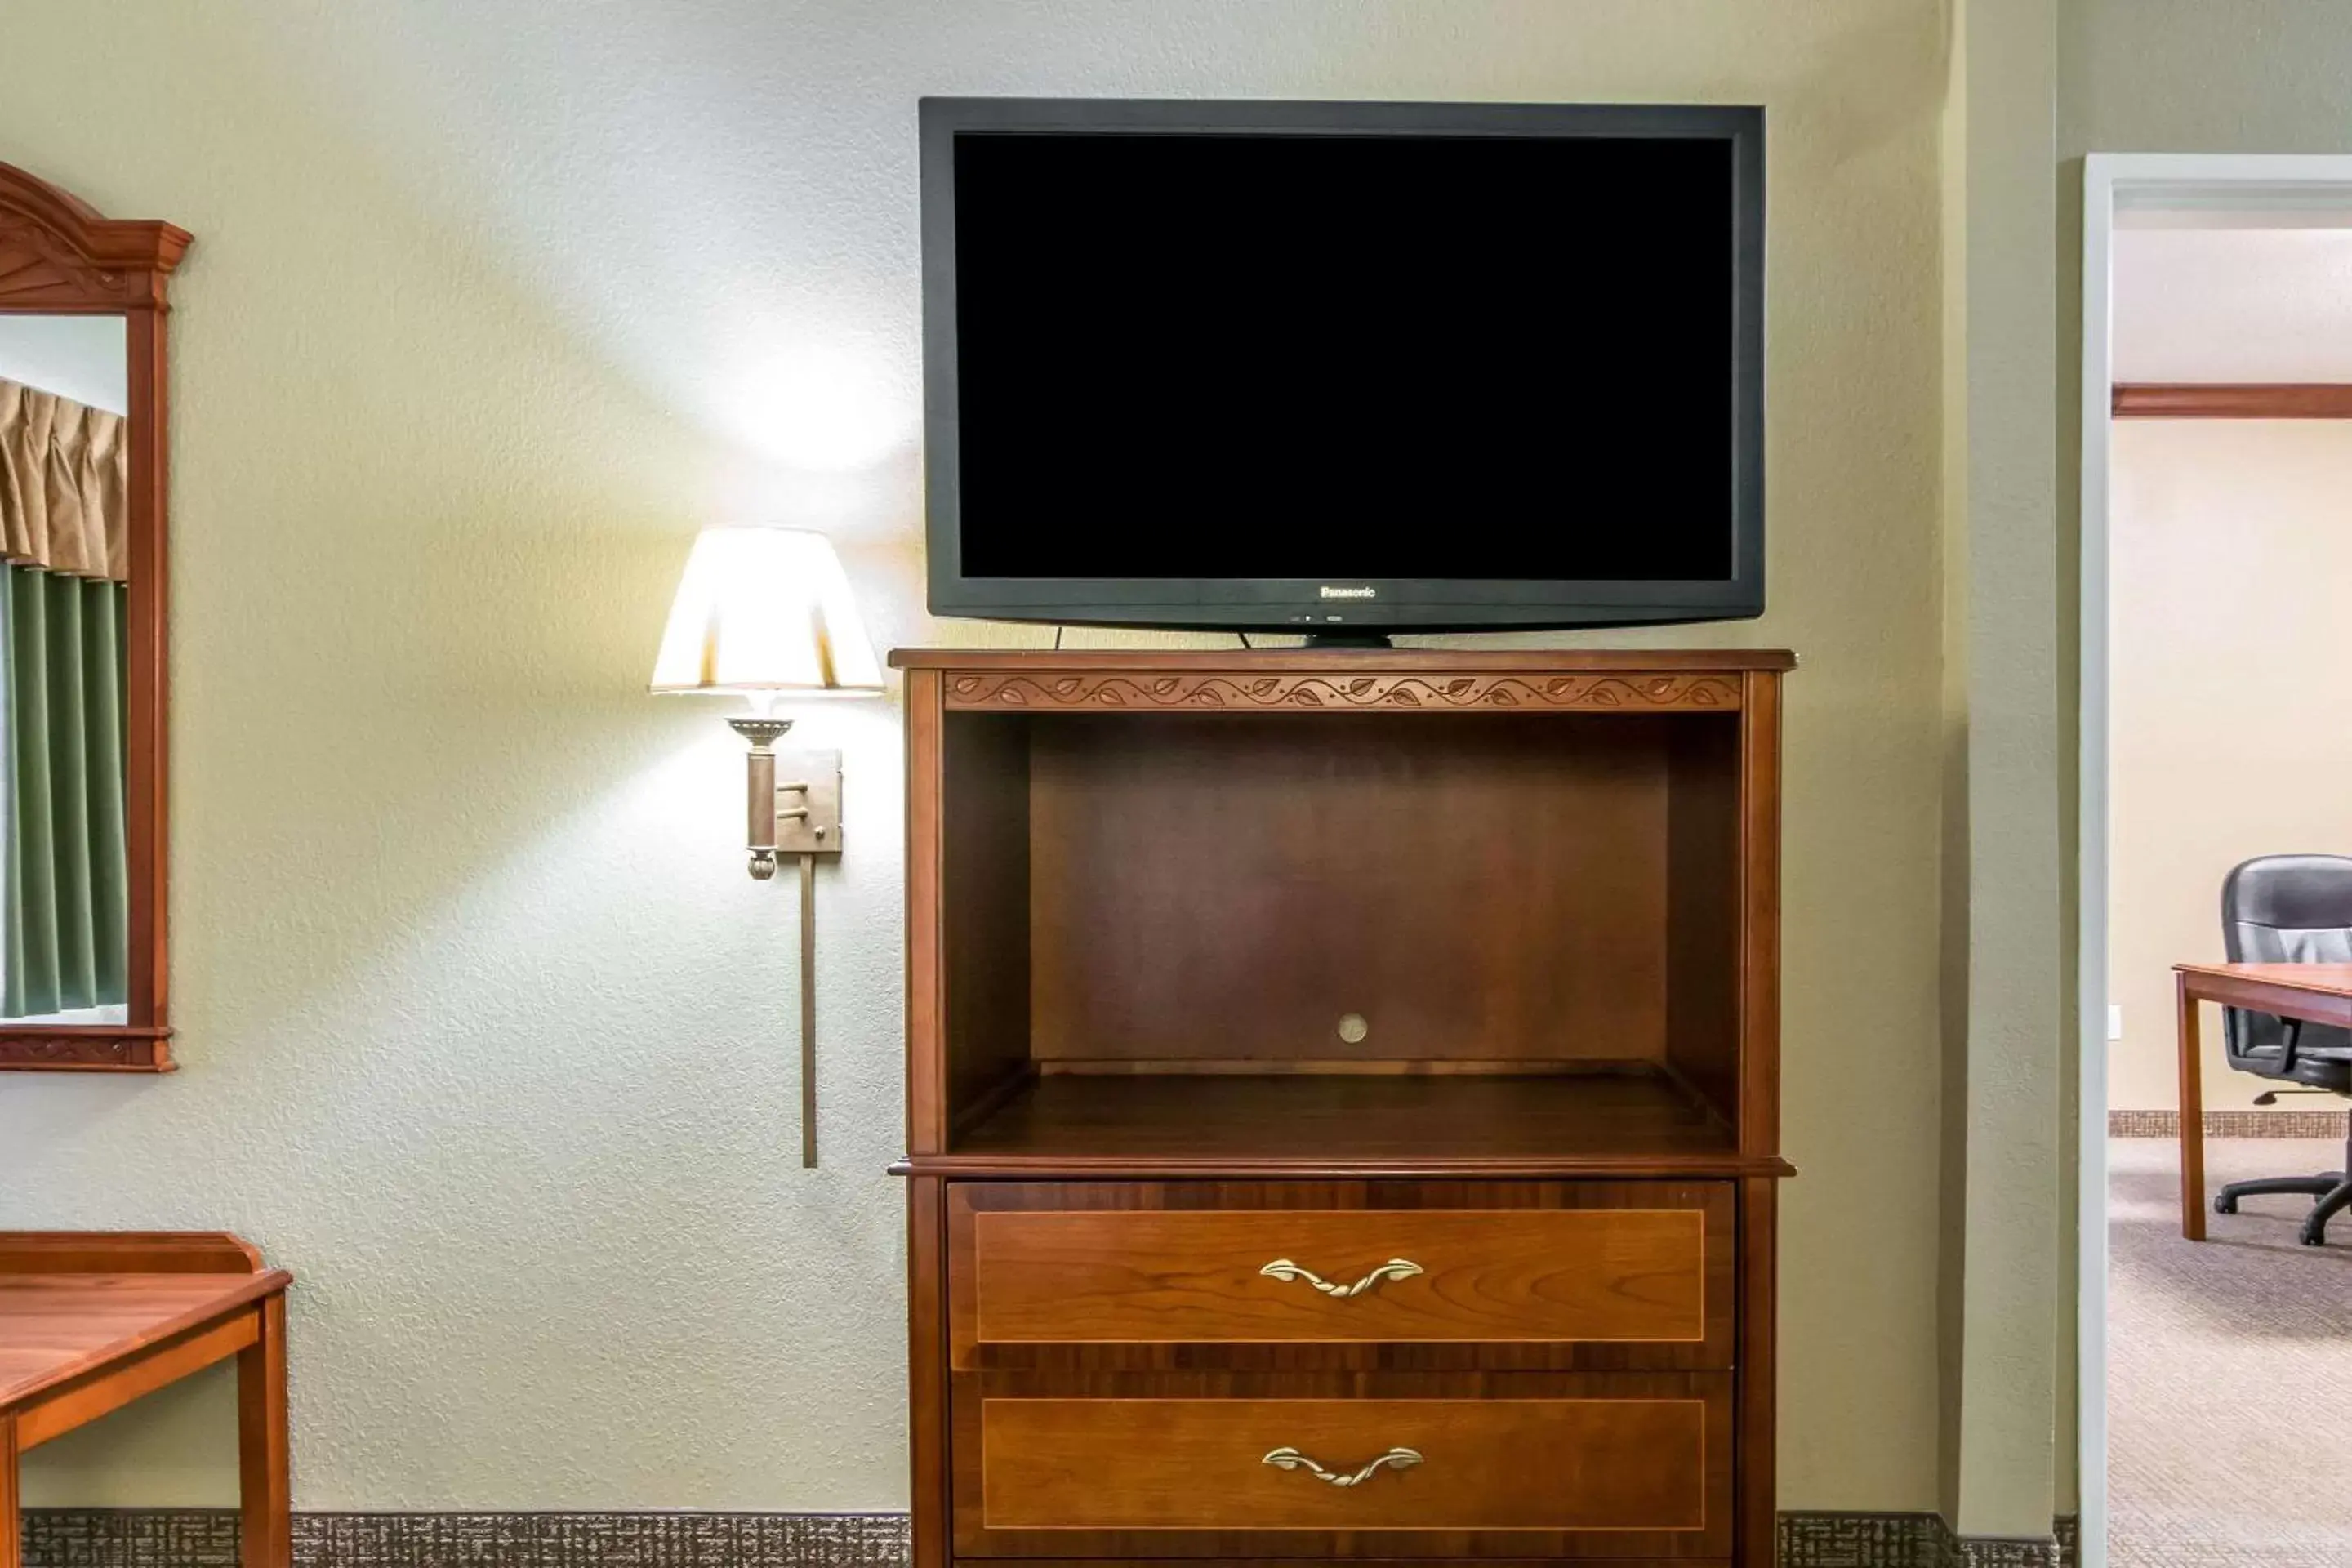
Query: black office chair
point(2290, 909)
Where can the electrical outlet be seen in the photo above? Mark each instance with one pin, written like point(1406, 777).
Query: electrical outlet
point(2115, 1021)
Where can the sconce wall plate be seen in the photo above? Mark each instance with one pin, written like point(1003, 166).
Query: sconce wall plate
point(808, 802)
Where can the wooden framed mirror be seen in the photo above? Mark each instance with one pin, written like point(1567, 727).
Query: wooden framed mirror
point(83, 443)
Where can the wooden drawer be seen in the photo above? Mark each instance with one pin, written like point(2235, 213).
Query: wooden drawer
point(1501, 1274)
point(1517, 1465)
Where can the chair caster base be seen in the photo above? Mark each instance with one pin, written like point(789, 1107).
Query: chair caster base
point(2225, 1204)
point(2311, 1238)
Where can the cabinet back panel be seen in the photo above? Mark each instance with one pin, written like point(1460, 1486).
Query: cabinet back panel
point(1475, 889)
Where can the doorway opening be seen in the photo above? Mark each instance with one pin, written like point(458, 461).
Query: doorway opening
point(2216, 739)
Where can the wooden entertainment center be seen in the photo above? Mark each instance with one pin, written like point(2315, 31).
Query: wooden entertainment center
point(1343, 1105)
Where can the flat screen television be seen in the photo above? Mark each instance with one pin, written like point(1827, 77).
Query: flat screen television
point(1344, 368)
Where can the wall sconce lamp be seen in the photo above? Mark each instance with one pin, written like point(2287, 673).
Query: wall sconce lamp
point(767, 612)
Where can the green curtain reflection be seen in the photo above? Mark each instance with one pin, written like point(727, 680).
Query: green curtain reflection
point(68, 912)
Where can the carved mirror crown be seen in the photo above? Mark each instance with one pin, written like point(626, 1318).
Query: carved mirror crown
point(58, 253)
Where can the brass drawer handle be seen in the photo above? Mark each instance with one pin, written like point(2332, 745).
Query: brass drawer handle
point(1394, 1268)
point(1292, 1460)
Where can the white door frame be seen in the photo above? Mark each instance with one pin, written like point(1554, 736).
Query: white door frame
point(2115, 182)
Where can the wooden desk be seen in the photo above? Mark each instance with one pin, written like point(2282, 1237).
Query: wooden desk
point(90, 1320)
point(2315, 992)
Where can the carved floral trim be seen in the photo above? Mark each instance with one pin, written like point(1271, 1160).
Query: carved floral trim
point(34, 269)
point(1002, 692)
point(38, 269)
point(75, 1050)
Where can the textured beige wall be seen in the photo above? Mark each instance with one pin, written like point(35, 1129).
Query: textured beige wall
point(2187, 76)
point(2001, 1123)
point(2231, 555)
point(485, 1032)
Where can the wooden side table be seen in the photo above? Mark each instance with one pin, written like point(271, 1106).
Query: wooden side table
point(90, 1321)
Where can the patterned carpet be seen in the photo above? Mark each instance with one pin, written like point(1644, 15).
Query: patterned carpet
point(2229, 1368)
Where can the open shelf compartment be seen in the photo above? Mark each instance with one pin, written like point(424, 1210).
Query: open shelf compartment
point(1363, 935)
point(1628, 1114)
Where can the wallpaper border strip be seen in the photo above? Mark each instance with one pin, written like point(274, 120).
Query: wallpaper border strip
point(208, 1538)
point(2230, 1124)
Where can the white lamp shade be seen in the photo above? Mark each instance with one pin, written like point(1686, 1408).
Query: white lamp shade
point(765, 609)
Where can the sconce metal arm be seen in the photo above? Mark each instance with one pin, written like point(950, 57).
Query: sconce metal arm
point(809, 827)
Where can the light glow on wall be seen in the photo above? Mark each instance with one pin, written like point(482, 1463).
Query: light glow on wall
point(821, 407)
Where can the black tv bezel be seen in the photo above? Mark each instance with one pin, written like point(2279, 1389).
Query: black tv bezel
point(1295, 605)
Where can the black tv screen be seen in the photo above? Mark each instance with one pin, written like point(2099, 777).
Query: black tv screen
point(1342, 367)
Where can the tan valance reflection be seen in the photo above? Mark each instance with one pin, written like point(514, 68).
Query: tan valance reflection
point(65, 485)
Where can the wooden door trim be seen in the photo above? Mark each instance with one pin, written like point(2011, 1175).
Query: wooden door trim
point(2232, 399)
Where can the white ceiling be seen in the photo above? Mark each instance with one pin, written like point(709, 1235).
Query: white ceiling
point(2201, 303)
